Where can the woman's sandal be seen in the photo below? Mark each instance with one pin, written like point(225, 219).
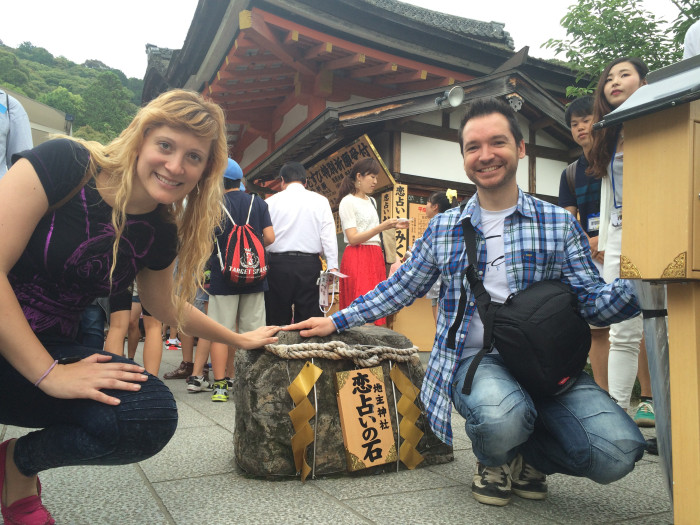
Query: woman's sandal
point(26, 511)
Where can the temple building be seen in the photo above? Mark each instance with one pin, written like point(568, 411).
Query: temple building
point(325, 82)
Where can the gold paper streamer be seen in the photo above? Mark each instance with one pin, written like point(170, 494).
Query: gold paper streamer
point(301, 414)
point(410, 433)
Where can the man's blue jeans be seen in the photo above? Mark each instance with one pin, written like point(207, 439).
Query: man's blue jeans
point(581, 432)
point(82, 431)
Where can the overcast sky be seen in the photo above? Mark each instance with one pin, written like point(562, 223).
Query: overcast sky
point(116, 33)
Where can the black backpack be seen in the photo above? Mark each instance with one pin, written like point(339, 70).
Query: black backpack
point(538, 332)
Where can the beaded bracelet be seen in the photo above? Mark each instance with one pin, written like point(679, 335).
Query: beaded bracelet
point(46, 373)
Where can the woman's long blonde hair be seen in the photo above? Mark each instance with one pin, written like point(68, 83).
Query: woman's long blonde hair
point(185, 111)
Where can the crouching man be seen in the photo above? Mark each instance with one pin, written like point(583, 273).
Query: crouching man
point(520, 240)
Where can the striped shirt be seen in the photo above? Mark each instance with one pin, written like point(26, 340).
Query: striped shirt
point(541, 242)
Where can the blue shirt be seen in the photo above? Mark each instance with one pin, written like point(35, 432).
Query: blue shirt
point(541, 241)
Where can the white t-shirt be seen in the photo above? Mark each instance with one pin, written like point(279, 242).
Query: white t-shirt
point(495, 280)
point(360, 214)
point(303, 222)
point(691, 43)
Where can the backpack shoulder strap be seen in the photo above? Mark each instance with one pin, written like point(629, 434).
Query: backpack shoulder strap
point(227, 213)
point(487, 311)
point(482, 297)
point(72, 193)
point(571, 177)
point(218, 247)
point(252, 197)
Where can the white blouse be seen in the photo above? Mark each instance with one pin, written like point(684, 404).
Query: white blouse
point(360, 214)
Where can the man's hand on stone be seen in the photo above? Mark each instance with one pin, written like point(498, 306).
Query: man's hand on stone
point(314, 326)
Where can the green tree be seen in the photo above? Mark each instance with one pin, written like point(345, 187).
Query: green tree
point(689, 13)
point(12, 71)
point(599, 31)
point(37, 54)
point(87, 133)
point(63, 100)
point(108, 106)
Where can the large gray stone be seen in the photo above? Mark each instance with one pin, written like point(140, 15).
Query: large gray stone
point(263, 430)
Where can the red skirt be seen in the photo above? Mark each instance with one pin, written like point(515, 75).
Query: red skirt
point(364, 266)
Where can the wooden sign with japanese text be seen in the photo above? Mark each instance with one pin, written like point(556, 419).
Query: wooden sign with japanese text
point(325, 176)
point(399, 209)
point(338, 224)
point(364, 417)
point(419, 221)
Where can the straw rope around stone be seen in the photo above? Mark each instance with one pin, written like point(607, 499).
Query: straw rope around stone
point(361, 355)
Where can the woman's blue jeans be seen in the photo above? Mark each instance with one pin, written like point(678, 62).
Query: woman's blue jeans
point(82, 431)
point(581, 432)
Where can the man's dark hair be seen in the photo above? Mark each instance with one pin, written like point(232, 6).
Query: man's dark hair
point(231, 184)
point(293, 172)
point(487, 106)
point(580, 107)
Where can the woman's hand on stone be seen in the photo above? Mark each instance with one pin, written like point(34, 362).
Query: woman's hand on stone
point(258, 338)
point(87, 378)
point(314, 326)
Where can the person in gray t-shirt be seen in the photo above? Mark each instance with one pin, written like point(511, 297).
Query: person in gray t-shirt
point(15, 131)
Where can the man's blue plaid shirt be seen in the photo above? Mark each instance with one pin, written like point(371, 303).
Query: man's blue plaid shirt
point(541, 241)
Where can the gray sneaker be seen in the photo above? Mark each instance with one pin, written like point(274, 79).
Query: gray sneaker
point(527, 481)
point(491, 485)
point(198, 384)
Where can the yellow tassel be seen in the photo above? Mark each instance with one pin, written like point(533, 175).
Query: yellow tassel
point(301, 414)
point(411, 434)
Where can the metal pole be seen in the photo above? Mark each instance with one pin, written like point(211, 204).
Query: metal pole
point(652, 298)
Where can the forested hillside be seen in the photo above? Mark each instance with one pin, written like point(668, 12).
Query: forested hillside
point(101, 99)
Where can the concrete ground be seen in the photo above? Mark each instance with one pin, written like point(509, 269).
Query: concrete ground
point(194, 480)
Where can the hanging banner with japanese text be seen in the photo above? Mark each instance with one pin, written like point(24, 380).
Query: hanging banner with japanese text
point(364, 417)
point(325, 176)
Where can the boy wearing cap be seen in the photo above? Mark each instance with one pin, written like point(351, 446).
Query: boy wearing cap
point(238, 308)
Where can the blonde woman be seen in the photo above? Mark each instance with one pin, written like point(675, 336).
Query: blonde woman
point(79, 220)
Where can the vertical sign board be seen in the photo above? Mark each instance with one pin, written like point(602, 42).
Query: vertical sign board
point(386, 211)
point(338, 224)
point(400, 199)
point(419, 221)
point(395, 204)
point(364, 417)
point(326, 175)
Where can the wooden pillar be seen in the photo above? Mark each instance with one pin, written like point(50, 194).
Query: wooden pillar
point(684, 368)
point(661, 241)
point(395, 138)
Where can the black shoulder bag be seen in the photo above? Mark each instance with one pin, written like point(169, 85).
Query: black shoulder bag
point(538, 331)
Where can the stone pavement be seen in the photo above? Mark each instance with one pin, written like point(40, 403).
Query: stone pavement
point(194, 480)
